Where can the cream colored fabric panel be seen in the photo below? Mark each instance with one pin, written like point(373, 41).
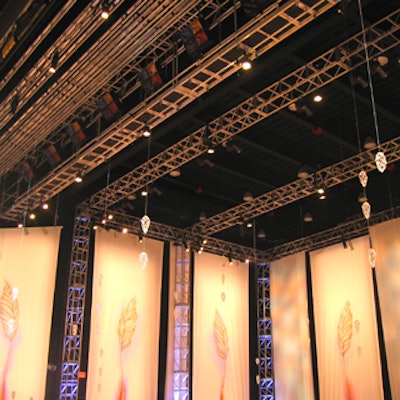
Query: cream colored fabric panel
point(220, 333)
point(28, 263)
point(125, 318)
point(290, 329)
point(386, 242)
point(346, 334)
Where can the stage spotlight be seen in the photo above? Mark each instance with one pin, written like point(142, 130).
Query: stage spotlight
point(54, 62)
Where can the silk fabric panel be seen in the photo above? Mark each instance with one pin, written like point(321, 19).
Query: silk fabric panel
point(386, 242)
point(345, 321)
point(221, 329)
point(290, 329)
point(28, 263)
point(125, 318)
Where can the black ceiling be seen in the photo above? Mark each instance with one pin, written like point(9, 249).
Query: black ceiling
point(269, 154)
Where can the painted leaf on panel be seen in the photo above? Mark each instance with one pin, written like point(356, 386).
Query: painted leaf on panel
point(127, 324)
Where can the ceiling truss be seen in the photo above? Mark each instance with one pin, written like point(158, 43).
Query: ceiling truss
point(333, 64)
point(258, 35)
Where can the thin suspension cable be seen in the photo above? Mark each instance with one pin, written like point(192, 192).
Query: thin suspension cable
point(378, 141)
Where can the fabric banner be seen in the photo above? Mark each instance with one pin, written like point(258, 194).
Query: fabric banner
point(221, 329)
point(28, 264)
point(386, 242)
point(345, 322)
point(290, 329)
point(125, 318)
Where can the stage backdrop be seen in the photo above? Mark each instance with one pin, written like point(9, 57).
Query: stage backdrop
point(346, 334)
point(28, 263)
point(386, 242)
point(221, 329)
point(125, 318)
point(290, 329)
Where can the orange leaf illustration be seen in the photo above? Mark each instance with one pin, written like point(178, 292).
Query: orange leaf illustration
point(9, 312)
point(345, 329)
point(127, 324)
point(220, 336)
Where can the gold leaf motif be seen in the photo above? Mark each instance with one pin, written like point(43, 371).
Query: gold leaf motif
point(345, 329)
point(127, 324)
point(220, 336)
point(9, 311)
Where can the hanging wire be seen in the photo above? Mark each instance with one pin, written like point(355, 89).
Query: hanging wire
point(107, 191)
point(369, 75)
point(146, 202)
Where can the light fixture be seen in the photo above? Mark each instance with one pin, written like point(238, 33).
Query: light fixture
point(261, 234)
point(382, 60)
point(308, 217)
point(146, 131)
point(54, 62)
point(303, 173)
point(124, 230)
point(202, 216)
point(20, 225)
point(247, 261)
point(208, 143)
point(78, 178)
point(95, 227)
point(32, 216)
point(144, 193)
point(103, 221)
point(246, 63)
point(230, 260)
point(369, 143)
point(140, 239)
point(322, 196)
point(205, 241)
point(320, 190)
point(175, 173)
point(249, 224)
point(248, 196)
point(45, 206)
point(110, 217)
point(105, 9)
point(317, 98)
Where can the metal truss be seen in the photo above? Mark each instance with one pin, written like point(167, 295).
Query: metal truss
point(333, 64)
point(265, 378)
point(256, 37)
point(79, 86)
point(178, 237)
point(182, 314)
point(74, 317)
point(341, 233)
point(18, 140)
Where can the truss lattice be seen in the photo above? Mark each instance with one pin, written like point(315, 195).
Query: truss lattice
point(73, 333)
point(382, 36)
point(221, 62)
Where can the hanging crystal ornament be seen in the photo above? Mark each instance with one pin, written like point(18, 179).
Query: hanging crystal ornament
point(145, 223)
point(366, 209)
point(143, 259)
point(372, 257)
point(380, 161)
point(363, 177)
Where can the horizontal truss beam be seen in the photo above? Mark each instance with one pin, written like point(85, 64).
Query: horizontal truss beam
point(333, 64)
point(299, 189)
point(218, 64)
point(340, 233)
point(179, 236)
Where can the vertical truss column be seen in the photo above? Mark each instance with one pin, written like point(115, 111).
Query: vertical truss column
point(181, 385)
point(75, 309)
point(266, 386)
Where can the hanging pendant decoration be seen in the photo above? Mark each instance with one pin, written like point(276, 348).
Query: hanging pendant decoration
point(372, 257)
point(366, 209)
point(145, 223)
point(363, 177)
point(143, 259)
point(380, 161)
